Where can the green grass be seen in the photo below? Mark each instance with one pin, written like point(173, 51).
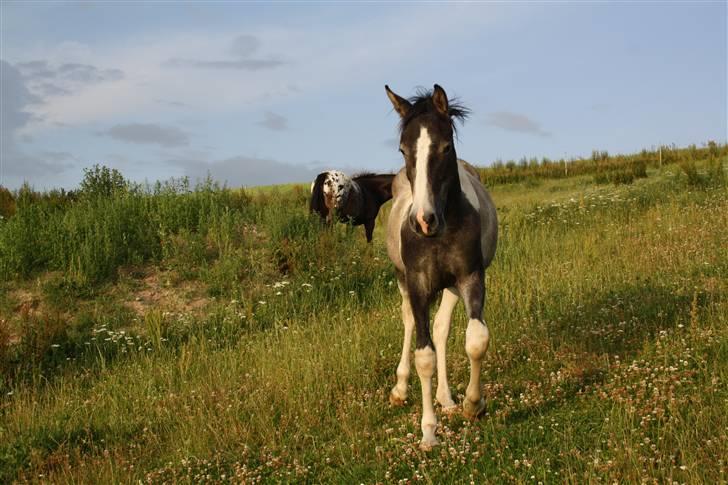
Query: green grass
point(607, 304)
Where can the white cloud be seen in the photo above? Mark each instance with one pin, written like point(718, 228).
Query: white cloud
point(509, 121)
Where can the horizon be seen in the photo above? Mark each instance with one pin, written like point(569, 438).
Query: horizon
point(258, 94)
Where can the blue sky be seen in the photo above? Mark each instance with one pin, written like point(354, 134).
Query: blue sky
point(261, 93)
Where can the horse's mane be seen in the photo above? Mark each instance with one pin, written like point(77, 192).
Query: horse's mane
point(422, 104)
point(364, 175)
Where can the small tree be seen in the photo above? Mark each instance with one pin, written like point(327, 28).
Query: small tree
point(102, 181)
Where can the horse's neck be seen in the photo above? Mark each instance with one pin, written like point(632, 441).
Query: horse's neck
point(356, 197)
point(455, 191)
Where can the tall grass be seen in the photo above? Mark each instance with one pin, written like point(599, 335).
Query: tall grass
point(88, 238)
point(607, 307)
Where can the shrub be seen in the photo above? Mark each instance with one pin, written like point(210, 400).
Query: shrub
point(102, 181)
point(691, 171)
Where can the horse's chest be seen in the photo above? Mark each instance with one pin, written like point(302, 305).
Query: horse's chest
point(440, 261)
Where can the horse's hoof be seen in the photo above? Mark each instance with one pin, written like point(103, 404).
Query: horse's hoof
point(395, 399)
point(450, 409)
point(472, 410)
point(428, 443)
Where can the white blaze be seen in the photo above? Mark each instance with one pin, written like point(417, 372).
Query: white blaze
point(420, 198)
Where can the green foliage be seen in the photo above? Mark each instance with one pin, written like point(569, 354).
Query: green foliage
point(90, 238)
point(102, 181)
point(606, 168)
point(713, 176)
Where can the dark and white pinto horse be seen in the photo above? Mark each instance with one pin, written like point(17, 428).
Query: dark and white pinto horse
point(353, 200)
point(441, 236)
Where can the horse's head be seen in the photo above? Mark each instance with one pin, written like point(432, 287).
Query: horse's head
point(329, 193)
point(426, 142)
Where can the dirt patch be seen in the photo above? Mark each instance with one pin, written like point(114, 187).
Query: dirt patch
point(154, 291)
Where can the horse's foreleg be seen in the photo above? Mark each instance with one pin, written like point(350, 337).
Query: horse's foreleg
point(476, 341)
point(369, 229)
point(399, 391)
point(440, 332)
point(425, 363)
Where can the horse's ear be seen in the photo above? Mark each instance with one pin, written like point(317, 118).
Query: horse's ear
point(401, 105)
point(439, 99)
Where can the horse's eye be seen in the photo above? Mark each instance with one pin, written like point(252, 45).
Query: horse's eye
point(401, 151)
point(447, 148)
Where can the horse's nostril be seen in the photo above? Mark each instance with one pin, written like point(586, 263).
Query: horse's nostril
point(427, 222)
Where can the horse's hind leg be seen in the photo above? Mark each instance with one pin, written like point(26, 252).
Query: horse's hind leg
point(399, 391)
point(440, 332)
point(476, 341)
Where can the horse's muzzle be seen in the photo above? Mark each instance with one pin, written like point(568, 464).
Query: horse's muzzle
point(425, 223)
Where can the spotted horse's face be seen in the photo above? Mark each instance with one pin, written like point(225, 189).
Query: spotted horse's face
point(330, 193)
point(336, 189)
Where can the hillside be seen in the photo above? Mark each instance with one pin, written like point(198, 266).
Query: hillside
point(178, 334)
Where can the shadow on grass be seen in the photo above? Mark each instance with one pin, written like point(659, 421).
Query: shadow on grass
point(583, 339)
point(621, 320)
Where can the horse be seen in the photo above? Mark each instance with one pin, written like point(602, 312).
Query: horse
point(441, 236)
point(354, 200)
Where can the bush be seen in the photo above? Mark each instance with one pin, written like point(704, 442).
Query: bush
point(102, 181)
point(691, 171)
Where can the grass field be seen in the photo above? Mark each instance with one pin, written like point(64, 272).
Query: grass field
point(201, 335)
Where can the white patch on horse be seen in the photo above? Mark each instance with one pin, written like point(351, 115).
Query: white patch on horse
point(337, 185)
point(466, 184)
point(421, 197)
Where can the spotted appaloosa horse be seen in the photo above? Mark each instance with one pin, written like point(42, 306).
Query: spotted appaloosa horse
point(441, 236)
point(353, 200)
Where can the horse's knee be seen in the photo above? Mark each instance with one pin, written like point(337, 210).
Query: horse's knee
point(440, 329)
point(425, 362)
point(476, 339)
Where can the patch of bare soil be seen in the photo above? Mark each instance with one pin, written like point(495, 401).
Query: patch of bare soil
point(155, 291)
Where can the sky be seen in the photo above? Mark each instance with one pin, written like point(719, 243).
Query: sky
point(266, 93)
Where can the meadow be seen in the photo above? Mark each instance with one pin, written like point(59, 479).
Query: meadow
point(181, 333)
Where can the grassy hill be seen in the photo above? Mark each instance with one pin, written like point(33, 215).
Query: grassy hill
point(197, 334)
